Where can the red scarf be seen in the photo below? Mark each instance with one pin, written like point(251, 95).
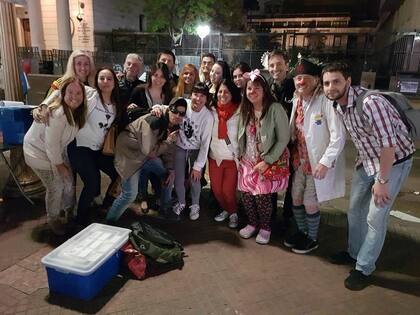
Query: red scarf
point(224, 112)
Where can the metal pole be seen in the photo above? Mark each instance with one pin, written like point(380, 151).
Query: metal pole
point(201, 51)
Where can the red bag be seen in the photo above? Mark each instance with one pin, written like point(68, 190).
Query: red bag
point(279, 170)
point(134, 260)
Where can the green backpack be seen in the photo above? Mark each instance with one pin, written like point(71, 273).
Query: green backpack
point(156, 244)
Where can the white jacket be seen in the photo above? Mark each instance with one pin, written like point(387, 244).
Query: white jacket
point(45, 145)
point(325, 139)
point(219, 150)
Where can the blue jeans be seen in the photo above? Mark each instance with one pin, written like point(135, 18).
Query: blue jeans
point(368, 222)
point(129, 192)
point(156, 172)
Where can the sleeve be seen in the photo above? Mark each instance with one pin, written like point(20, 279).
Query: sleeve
point(337, 135)
point(52, 97)
point(138, 97)
point(205, 142)
point(377, 112)
point(282, 133)
point(53, 135)
point(145, 138)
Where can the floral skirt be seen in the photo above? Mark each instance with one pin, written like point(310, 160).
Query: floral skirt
point(252, 182)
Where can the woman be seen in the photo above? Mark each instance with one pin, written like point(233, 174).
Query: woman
point(262, 137)
point(187, 79)
point(223, 154)
point(145, 140)
point(238, 74)
point(79, 65)
point(218, 72)
point(155, 91)
point(44, 148)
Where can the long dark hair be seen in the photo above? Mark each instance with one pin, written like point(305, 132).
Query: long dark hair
point(166, 88)
point(247, 108)
point(115, 95)
point(233, 90)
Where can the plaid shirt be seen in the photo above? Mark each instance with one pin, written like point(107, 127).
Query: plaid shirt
point(386, 129)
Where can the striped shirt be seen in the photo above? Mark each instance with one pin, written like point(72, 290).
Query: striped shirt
point(386, 129)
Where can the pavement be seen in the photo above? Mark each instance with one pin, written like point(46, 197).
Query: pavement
point(223, 274)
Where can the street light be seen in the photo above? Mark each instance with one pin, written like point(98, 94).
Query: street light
point(202, 32)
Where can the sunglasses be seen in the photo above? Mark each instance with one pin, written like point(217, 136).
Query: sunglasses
point(177, 112)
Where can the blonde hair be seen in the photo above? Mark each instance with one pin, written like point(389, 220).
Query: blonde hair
point(78, 117)
point(179, 90)
point(70, 73)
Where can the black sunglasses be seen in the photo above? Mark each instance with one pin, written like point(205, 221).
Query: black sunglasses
point(175, 111)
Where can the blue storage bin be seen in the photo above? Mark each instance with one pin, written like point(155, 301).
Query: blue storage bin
point(15, 121)
point(84, 264)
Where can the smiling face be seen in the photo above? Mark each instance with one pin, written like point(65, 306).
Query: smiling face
point(132, 67)
point(82, 67)
point(277, 67)
point(206, 64)
point(254, 92)
point(176, 115)
point(158, 79)
point(216, 74)
point(106, 81)
point(336, 86)
point(305, 84)
point(238, 78)
point(74, 95)
point(198, 101)
point(189, 76)
point(223, 95)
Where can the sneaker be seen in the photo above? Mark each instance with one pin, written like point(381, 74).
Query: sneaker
point(294, 239)
point(247, 231)
point(304, 246)
point(194, 212)
point(342, 258)
point(263, 237)
point(356, 281)
point(233, 221)
point(178, 208)
point(222, 216)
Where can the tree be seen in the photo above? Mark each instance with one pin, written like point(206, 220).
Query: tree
point(179, 16)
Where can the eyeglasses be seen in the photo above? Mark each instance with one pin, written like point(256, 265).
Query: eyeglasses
point(177, 112)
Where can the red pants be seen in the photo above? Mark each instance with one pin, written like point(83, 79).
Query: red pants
point(224, 180)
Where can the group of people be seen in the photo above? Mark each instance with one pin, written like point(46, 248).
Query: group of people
point(260, 132)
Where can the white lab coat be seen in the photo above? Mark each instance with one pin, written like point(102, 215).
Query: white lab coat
point(325, 139)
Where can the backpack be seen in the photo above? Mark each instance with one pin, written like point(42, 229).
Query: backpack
point(409, 115)
point(156, 244)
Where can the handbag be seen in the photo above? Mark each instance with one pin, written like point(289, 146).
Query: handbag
point(279, 170)
point(134, 260)
point(109, 142)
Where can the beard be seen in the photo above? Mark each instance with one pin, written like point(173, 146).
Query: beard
point(340, 94)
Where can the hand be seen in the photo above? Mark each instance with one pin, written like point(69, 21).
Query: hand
point(320, 171)
point(119, 75)
point(41, 114)
point(156, 111)
point(170, 178)
point(63, 170)
point(381, 194)
point(131, 106)
point(195, 175)
point(173, 136)
point(261, 167)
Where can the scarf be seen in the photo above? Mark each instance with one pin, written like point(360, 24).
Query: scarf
point(224, 112)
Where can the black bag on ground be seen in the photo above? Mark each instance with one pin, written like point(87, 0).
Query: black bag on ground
point(156, 244)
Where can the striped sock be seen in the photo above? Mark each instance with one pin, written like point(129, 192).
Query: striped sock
point(313, 224)
point(300, 218)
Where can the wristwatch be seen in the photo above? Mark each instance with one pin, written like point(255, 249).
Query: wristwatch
point(382, 181)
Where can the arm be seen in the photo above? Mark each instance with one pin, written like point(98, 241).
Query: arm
point(381, 191)
point(282, 132)
point(205, 143)
point(53, 135)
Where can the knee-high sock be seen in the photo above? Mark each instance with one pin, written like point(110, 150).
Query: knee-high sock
point(300, 216)
point(313, 224)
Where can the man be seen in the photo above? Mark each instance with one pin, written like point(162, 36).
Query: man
point(129, 79)
point(168, 57)
point(142, 141)
point(283, 88)
point(318, 137)
point(207, 63)
point(383, 163)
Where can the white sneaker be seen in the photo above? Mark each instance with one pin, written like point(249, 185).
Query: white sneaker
point(178, 208)
point(233, 221)
point(194, 212)
point(222, 216)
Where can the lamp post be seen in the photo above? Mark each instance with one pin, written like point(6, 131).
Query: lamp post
point(202, 32)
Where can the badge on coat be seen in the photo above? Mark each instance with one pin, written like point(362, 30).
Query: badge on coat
point(318, 119)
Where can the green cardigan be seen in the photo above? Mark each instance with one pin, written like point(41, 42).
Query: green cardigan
point(274, 132)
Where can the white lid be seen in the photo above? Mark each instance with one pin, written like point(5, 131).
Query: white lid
point(87, 250)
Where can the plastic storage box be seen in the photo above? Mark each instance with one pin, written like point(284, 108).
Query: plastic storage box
point(84, 264)
point(15, 121)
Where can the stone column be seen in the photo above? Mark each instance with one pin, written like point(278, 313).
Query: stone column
point(13, 92)
point(63, 25)
point(35, 23)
